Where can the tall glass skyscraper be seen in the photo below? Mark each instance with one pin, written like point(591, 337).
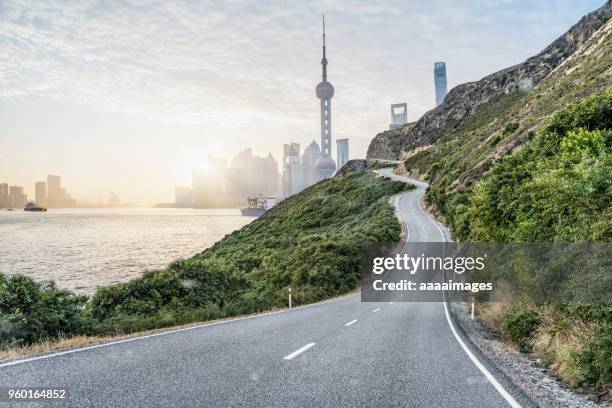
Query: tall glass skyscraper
point(440, 81)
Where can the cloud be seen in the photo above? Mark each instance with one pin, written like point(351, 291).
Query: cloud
point(240, 64)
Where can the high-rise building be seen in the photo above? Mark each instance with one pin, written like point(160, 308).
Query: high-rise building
point(4, 195)
point(399, 115)
point(57, 196)
point(342, 148)
point(311, 155)
point(292, 178)
point(325, 92)
point(251, 175)
point(54, 191)
point(183, 197)
point(293, 172)
point(17, 198)
point(440, 81)
point(40, 192)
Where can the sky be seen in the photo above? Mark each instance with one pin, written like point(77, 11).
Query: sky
point(129, 96)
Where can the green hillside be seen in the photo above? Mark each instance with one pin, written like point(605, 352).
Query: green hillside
point(536, 166)
point(504, 125)
point(313, 242)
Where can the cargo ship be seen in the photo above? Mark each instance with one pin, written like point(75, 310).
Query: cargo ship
point(258, 205)
point(32, 206)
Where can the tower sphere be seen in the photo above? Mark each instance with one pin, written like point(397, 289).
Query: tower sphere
point(326, 163)
point(325, 90)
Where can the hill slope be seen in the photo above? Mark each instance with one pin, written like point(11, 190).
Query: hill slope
point(525, 155)
point(464, 100)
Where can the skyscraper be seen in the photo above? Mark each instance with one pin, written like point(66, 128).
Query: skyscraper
point(17, 198)
point(54, 191)
point(250, 175)
point(4, 195)
point(292, 170)
point(325, 92)
point(440, 81)
point(342, 149)
point(399, 115)
point(311, 155)
point(40, 192)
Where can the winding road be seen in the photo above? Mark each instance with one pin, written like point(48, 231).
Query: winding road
point(340, 353)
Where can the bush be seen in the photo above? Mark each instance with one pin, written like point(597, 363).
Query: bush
point(519, 324)
point(33, 312)
point(594, 362)
point(511, 128)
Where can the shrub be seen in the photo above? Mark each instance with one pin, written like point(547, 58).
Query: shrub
point(511, 128)
point(32, 312)
point(519, 324)
point(594, 361)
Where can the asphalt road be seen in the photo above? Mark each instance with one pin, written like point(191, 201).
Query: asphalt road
point(335, 354)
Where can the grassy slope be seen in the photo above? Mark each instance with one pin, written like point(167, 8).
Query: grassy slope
point(313, 242)
point(506, 123)
point(513, 172)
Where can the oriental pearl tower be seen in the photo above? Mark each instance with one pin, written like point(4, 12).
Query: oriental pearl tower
point(325, 91)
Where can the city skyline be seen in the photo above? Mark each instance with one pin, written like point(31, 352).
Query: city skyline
point(130, 99)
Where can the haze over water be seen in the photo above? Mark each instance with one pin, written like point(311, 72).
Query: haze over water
point(83, 248)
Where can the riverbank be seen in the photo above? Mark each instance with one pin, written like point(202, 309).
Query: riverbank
point(313, 242)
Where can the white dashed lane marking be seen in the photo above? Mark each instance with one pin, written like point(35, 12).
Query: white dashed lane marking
point(298, 351)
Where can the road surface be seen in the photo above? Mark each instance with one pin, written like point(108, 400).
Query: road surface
point(343, 353)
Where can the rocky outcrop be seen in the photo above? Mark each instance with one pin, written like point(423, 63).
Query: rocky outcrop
point(360, 165)
point(464, 99)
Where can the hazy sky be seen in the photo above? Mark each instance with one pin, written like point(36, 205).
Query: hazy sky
point(130, 96)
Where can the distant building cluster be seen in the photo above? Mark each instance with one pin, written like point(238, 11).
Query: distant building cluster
point(49, 194)
point(249, 175)
point(300, 172)
point(316, 163)
point(12, 196)
point(221, 185)
point(399, 111)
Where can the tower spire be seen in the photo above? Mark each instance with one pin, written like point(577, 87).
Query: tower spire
point(324, 60)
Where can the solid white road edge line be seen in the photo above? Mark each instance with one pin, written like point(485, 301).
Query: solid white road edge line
point(509, 399)
point(502, 391)
point(298, 351)
point(163, 333)
point(376, 310)
point(351, 322)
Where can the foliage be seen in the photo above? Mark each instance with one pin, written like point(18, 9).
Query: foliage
point(33, 312)
point(314, 242)
point(556, 188)
point(594, 362)
point(519, 323)
point(511, 128)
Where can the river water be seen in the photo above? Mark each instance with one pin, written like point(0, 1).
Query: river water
point(83, 248)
